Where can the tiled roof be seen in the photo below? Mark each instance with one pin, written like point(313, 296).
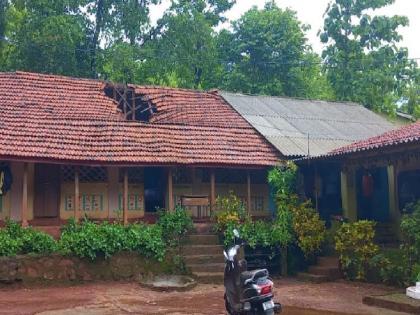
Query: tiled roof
point(296, 126)
point(58, 118)
point(404, 135)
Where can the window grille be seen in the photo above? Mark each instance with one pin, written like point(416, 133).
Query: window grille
point(134, 174)
point(87, 174)
point(182, 175)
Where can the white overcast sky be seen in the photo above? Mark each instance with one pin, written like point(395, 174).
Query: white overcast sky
point(311, 11)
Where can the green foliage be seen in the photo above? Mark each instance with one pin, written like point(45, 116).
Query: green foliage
point(90, 240)
point(309, 228)
point(363, 61)
point(175, 225)
point(283, 179)
point(15, 240)
point(255, 234)
point(266, 53)
point(230, 210)
point(410, 229)
point(354, 244)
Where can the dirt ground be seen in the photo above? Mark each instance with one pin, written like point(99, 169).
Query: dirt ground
point(129, 298)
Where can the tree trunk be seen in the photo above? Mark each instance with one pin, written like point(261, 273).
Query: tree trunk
point(100, 12)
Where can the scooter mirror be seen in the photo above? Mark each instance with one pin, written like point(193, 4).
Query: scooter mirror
point(236, 233)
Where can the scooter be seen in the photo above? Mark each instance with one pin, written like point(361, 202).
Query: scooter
point(246, 292)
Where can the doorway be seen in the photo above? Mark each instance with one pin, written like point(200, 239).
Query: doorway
point(154, 188)
point(47, 190)
point(373, 194)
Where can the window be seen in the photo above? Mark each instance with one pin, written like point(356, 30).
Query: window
point(135, 202)
point(87, 202)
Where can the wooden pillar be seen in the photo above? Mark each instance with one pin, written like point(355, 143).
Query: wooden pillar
point(212, 191)
point(125, 197)
point(76, 193)
point(170, 191)
point(24, 214)
point(248, 192)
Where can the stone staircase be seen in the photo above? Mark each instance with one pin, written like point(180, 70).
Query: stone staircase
point(203, 255)
point(326, 270)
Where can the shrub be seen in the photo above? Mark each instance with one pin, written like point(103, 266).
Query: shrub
point(354, 243)
point(16, 240)
point(175, 225)
point(410, 229)
point(147, 240)
point(91, 240)
point(230, 211)
point(255, 234)
point(309, 228)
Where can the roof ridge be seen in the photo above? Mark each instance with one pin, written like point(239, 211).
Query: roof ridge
point(349, 103)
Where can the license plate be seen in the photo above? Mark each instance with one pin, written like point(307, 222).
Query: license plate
point(268, 305)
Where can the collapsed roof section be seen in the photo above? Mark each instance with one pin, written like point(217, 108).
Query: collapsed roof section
point(62, 119)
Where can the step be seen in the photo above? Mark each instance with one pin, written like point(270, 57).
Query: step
point(203, 239)
point(203, 228)
point(331, 273)
point(204, 259)
point(202, 250)
point(209, 277)
point(328, 261)
point(216, 267)
point(304, 276)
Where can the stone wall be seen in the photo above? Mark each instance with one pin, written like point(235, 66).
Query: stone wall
point(122, 266)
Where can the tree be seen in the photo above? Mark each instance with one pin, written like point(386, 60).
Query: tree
point(183, 52)
point(267, 53)
point(363, 63)
point(45, 36)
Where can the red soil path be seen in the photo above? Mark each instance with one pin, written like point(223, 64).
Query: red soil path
point(129, 298)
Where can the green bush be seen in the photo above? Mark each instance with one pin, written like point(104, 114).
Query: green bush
point(309, 228)
point(175, 225)
point(16, 240)
point(91, 240)
point(410, 229)
point(355, 246)
point(229, 210)
point(255, 234)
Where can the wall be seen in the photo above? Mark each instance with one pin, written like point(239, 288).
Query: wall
point(100, 201)
point(122, 266)
point(15, 193)
point(198, 189)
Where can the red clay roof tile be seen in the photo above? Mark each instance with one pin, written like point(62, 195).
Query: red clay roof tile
point(52, 117)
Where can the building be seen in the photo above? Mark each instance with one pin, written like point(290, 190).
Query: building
point(74, 147)
point(301, 128)
point(380, 175)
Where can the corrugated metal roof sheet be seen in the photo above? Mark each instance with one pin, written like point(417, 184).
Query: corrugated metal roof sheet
point(287, 122)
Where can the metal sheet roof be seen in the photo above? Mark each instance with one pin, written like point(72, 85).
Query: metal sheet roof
point(295, 125)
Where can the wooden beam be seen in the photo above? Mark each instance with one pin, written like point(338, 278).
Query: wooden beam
point(125, 197)
point(248, 192)
point(24, 214)
point(76, 193)
point(170, 191)
point(212, 191)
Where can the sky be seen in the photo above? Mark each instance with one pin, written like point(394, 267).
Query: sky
point(311, 12)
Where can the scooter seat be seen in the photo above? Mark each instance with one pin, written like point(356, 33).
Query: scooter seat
point(253, 275)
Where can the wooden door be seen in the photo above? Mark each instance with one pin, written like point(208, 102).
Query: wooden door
point(47, 191)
